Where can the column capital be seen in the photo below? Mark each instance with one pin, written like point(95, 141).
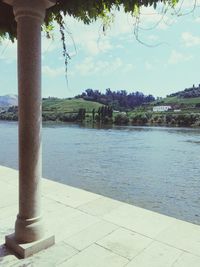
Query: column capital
point(48, 3)
point(30, 8)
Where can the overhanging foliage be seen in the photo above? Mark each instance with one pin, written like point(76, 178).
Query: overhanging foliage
point(84, 10)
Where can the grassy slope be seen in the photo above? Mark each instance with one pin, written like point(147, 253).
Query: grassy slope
point(177, 100)
point(188, 105)
point(68, 105)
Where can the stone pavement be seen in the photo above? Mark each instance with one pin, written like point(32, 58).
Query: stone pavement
point(95, 231)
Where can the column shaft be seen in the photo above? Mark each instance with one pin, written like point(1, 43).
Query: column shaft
point(29, 15)
point(28, 226)
point(29, 76)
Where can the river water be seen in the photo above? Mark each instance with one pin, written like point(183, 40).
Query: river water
point(156, 168)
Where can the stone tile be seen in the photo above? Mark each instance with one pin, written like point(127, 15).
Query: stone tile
point(182, 235)
point(67, 195)
point(139, 220)
point(65, 226)
point(10, 176)
point(6, 227)
point(8, 195)
point(125, 243)
point(9, 211)
point(52, 208)
point(50, 257)
point(6, 258)
point(73, 215)
point(100, 206)
point(187, 260)
point(156, 255)
point(90, 235)
point(95, 256)
point(24, 263)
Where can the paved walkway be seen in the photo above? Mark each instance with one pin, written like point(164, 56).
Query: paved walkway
point(95, 231)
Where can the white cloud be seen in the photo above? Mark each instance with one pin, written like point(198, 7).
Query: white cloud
point(151, 18)
point(197, 20)
point(127, 67)
point(122, 24)
point(190, 40)
point(177, 57)
point(8, 51)
point(153, 37)
point(188, 4)
point(53, 72)
point(148, 66)
point(94, 47)
point(90, 66)
point(89, 38)
point(49, 45)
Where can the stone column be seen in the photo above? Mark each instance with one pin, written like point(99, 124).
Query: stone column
point(29, 228)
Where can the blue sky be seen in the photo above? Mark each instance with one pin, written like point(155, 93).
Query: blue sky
point(116, 59)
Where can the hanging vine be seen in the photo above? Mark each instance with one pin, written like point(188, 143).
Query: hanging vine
point(66, 55)
point(86, 11)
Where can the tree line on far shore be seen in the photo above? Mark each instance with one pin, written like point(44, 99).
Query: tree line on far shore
point(106, 115)
point(103, 114)
point(119, 100)
point(159, 119)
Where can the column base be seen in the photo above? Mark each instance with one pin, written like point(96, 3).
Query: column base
point(28, 249)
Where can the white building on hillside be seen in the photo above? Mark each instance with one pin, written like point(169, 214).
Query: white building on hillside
point(161, 108)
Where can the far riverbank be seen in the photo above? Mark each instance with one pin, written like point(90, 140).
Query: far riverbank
point(164, 119)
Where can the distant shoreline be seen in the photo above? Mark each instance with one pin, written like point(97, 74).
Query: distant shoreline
point(108, 125)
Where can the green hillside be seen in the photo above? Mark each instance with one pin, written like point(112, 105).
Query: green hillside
point(68, 105)
point(55, 109)
point(185, 112)
point(68, 110)
point(179, 100)
point(187, 98)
